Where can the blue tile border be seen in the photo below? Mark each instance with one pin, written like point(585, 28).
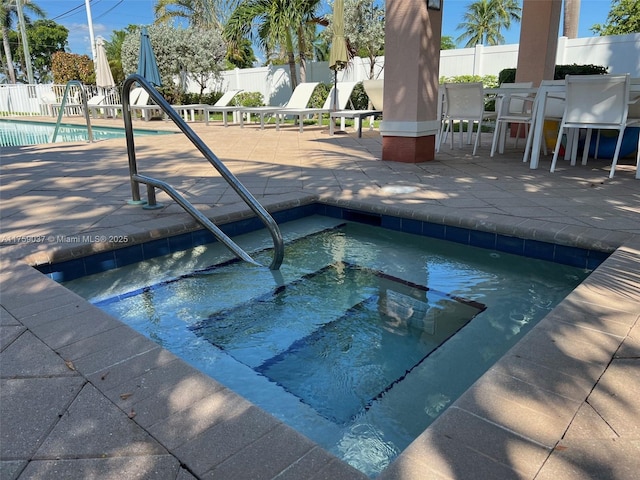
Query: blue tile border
point(576, 257)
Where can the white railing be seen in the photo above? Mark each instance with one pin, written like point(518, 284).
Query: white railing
point(619, 53)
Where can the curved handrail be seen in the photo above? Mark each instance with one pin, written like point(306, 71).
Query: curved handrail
point(85, 108)
point(249, 199)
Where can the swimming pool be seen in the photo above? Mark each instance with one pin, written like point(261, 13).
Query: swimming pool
point(15, 133)
point(200, 306)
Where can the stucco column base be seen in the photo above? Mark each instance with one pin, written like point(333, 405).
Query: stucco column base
point(409, 149)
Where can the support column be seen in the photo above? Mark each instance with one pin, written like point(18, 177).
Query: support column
point(412, 66)
point(538, 40)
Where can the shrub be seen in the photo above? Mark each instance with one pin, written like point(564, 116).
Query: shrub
point(359, 97)
point(193, 98)
point(319, 95)
point(489, 81)
point(508, 75)
point(70, 66)
point(250, 99)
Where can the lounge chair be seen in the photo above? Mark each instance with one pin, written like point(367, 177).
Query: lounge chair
point(141, 104)
point(299, 99)
point(73, 105)
point(374, 90)
point(94, 103)
point(137, 97)
point(344, 94)
point(188, 112)
point(222, 106)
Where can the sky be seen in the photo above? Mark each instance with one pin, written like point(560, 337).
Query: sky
point(110, 15)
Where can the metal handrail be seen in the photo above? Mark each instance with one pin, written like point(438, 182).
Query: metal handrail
point(136, 179)
point(85, 108)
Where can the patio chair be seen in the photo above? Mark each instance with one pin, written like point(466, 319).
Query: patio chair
point(511, 108)
point(222, 106)
point(344, 94)
point(464, 102)
point(595, 101)
point(299, 99)
point(137, 97)
point(553, 110)
point(374, 90)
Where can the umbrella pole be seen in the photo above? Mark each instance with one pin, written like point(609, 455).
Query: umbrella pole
point(335, 89)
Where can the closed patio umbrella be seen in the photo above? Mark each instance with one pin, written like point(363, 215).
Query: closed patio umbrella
point(104, 77)
point(338, 56)
point(147, 64)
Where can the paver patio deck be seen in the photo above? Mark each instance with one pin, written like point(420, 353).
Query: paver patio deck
point(84, 396)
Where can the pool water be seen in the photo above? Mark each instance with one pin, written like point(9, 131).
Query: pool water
point(22, 133)
point(359, 342)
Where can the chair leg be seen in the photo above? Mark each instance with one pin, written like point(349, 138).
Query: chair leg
point(556, 150)
point(441, 136)
point(528, 145)
point(614, 162)
point(518, 130)
point(453, 133)
point(597, 145)
point(475, 145)
point(496, 134)
point(573, 132)
point(587, 143)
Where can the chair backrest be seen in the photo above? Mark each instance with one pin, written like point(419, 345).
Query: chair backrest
point(134, 95)
point(96, 100)
point(374, 90)
point(554, 108)
point(513, 104)
point(301, 95)
point(597, 99)
point(48, 97)
point(464, 100)
point(142, 98)
point(634, 108)
point(345, 89)
point(226, 98)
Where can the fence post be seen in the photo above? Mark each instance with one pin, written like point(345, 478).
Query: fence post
point(561, 53)
point(478, 57)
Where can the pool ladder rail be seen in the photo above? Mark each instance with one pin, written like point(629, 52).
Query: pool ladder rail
point(63, 104)
point(153, 183)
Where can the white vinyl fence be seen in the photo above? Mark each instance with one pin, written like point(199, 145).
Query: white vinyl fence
point(619, 53)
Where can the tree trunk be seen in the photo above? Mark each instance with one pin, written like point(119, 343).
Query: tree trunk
point(7, 54)
point(303, 58)
point(372, 66)
point(571, 18)
point(292, 61)
point(292, 70)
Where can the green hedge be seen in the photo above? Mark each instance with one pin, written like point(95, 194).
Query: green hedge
point(508, 75)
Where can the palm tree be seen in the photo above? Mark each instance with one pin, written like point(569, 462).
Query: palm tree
point(8, 15)
point(571, 18)
point(485, 19)
point(277, 26)
point(306, 32)
point(199, 13)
